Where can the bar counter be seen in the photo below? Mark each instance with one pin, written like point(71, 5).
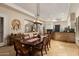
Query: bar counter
point(64, 36)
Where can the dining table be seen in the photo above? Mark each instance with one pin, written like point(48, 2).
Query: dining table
point(33, 42)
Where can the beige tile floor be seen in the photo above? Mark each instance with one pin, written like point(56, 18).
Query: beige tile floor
point(58, 48)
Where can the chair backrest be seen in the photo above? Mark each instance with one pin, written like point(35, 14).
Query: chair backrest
point(39, 36)
point(17, 44)
point(35, 35)
point(49, 38)
point(18, 47)
point(45, 40)
point(26, 36)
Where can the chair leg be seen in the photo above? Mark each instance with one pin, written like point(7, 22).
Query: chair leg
point(16, 54)
point(45, 50)
point(42, 52)
point(47, 47)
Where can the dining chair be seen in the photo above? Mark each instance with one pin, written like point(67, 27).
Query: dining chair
point(20, 49)
point(41, 46)
point(26, 36)
point(49, 40)
point(35, 35)
point(48, 45)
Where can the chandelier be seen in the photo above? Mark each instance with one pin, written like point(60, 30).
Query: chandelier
point(37, 14)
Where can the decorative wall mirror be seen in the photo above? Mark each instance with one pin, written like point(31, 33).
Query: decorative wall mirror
point(16, 24)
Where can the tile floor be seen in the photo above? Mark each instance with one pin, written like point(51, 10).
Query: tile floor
point(58, 48)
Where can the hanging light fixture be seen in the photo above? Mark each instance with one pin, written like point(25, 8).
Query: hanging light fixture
point(38, 11)
point(37, 14)
point(36, 23)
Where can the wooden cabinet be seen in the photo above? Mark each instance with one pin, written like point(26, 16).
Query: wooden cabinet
point(64, 36)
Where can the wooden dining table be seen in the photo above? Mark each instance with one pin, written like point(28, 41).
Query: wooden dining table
point(33, 42)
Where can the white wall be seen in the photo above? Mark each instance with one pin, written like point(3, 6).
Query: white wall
point(62, 24)
point(9, 15)
point(51, 24)
point(77, 32)
point(48, 25)
point(75, 8)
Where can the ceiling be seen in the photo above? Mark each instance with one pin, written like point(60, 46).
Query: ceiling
point(48, 11)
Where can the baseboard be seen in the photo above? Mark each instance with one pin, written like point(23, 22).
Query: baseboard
point(2, 44)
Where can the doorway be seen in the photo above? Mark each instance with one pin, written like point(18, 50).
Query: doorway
point(1, 29)
point(57, 28)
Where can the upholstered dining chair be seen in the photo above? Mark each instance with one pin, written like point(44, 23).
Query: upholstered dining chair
point(35, 35)
point(48, 45)
point(20, 49)
point(41, 47)
point(49, 41)
point(26, 36)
